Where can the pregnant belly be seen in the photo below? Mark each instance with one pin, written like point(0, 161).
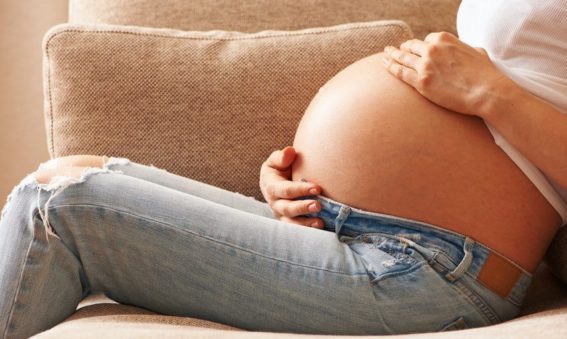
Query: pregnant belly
point(374, 143)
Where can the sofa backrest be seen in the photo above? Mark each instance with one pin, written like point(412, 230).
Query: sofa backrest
point(423, 16)
point(103, 97)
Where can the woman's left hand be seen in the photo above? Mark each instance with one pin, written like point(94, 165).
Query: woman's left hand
point(448, 72)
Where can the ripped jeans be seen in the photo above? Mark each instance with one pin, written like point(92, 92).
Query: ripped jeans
point(176, 246)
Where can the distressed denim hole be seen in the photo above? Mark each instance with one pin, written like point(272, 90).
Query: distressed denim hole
point(384, 255)
point(56, 185)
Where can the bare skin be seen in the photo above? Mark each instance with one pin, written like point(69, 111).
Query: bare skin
point(476, 191)
point(382, 147)
point(72, 166)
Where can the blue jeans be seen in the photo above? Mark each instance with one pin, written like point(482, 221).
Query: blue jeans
point(150, 238)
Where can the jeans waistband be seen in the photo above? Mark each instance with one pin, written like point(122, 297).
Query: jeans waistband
point(453, 253)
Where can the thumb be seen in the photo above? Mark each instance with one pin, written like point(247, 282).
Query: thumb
point(288, 155)
point(281, 159)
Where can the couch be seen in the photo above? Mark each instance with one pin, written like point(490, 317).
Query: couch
point(175, 84)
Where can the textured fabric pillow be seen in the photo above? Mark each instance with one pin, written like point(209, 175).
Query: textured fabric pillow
point(207, 105)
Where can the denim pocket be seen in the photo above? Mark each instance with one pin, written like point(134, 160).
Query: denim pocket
point(383, 254)
point(411, 297)
point(456, 324)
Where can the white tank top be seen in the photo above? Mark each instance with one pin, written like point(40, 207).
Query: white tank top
point(527, 41)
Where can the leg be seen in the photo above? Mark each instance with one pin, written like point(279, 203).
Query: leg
point(168, 251)
point(41, 280)
point(162, 177)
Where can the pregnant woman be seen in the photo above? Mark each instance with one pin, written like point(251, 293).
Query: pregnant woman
point(431, 175)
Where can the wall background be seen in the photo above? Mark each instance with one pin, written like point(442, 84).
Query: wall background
point(22, 135)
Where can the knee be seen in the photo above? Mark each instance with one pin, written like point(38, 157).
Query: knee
point(70, 166)
point(44, 176)
point(81, 160)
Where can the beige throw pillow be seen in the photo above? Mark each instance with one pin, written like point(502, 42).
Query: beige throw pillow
point(207, 105)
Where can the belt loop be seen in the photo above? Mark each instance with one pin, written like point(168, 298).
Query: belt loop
point(465, 263)
point(426, 252)
point(340, 219)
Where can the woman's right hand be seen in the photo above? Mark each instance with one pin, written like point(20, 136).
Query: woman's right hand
point(279, 191)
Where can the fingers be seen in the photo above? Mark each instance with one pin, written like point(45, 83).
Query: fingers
point(275, 180)
point(308, 222)
point(415, 46)
point(402, 57)
point(279, 191)
point(404, 73)
point(424, 47)
point(286, 189)
point(440, 37)
point(294, 208)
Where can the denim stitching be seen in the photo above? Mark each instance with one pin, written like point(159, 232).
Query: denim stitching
point(465, 263)
point(398, 273)
point(479, 302)
point(516, 297)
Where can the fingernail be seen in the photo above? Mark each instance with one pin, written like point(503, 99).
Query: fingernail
point(312, 207)
point(313, 191)
point(385, 61)
point(387, 49)
point(315, 224)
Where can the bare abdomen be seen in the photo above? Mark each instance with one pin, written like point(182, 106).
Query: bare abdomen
point(374, 143)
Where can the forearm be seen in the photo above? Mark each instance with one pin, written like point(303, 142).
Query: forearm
point(463, 79)
point(535, 128)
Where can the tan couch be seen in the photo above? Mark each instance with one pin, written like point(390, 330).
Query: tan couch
point(109, 90)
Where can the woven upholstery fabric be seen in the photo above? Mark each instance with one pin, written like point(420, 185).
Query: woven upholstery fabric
point(423, 16)
point(206, 105)
point(547, 324)
point(113, 312)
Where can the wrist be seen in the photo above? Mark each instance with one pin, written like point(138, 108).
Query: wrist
point(499, 97)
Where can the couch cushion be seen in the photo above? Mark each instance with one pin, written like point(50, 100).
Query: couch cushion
point(423, 16)
point(207, 105)
point(546, 324)
point(544, 313)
